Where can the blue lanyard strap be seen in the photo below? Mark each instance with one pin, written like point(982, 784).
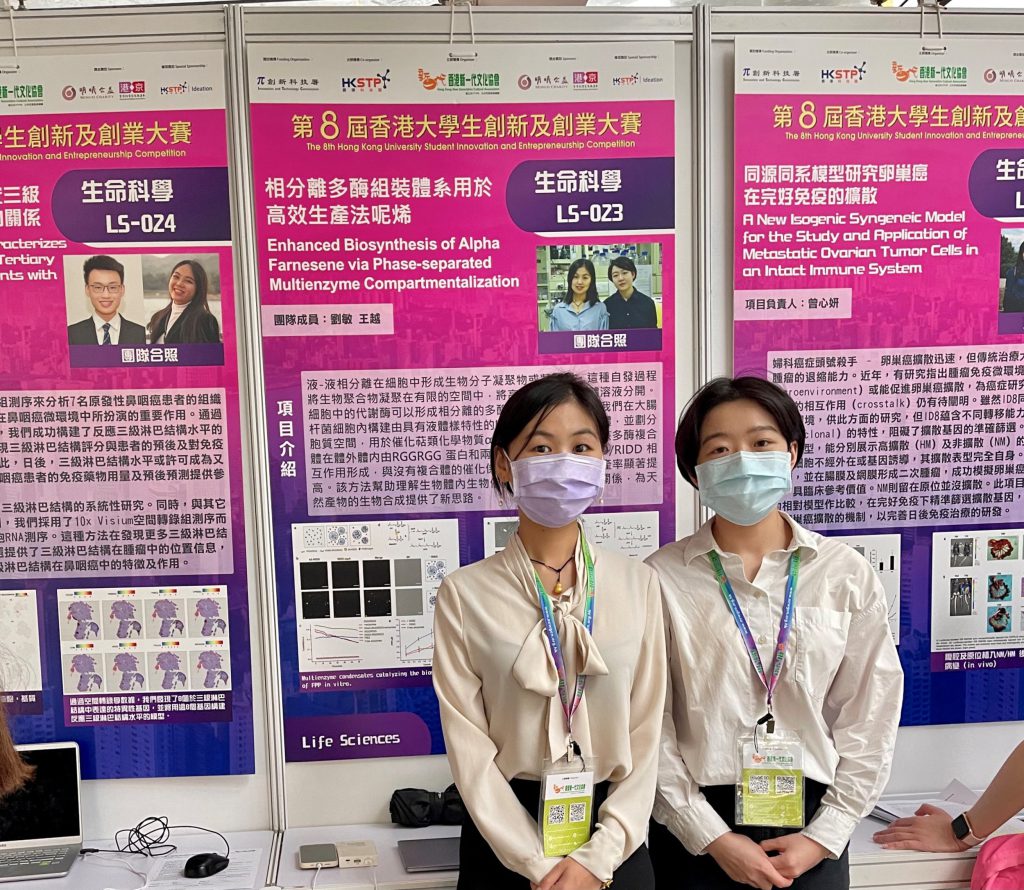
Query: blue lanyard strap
point(785, 623)
point(551, 632)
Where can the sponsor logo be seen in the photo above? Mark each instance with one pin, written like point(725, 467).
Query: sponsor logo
point(87, 91)
point(275, 84)
point(770, 75)
point(131, 89)
point(460, 81)
point(950, 75)
point(854, 74)
point(569, 788)
point(21, 92)
point(1004, 75)
point(584, 80)
point(375, 83)
point(626, 80)
point(544, 81)
point(174, 89)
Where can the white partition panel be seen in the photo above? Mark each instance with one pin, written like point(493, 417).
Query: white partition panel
point(227, 803)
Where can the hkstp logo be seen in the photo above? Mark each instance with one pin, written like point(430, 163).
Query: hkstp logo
point(628, 80)
point(375, 84)
point(174, 89)
point(844, 75)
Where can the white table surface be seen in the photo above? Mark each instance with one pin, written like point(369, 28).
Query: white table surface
point(88, 874)
point(870, 865)
point(390, 874)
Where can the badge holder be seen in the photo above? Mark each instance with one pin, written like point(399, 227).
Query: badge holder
point(770, 792)
point(566, 811)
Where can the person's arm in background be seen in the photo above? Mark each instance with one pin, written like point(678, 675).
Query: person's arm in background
point(931, 829)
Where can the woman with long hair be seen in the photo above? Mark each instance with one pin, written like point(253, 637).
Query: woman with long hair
point(187, 317)
point(581, 309)
point(14, 772)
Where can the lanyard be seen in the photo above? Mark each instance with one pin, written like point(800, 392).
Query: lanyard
point(785, 625)
point(551, 632)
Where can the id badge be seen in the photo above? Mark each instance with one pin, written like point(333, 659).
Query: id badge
point(770, 792)
point(566, 815)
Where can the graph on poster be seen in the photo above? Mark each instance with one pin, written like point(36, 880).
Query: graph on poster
point(365, 591)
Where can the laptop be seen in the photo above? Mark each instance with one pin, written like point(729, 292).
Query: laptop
point(430, 854)
point(41, 823)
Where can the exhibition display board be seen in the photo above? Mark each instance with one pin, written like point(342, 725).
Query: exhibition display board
point(419, 219)
point(879, 236)
point(124, 601)
point(802, 195)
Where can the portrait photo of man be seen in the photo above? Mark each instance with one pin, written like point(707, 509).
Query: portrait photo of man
point(104, 289)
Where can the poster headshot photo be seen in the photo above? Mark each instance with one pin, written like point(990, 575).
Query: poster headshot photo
point(104, 300)
point(1000, 588)
point(182, 294)
point(145, 301)
point(599, 296)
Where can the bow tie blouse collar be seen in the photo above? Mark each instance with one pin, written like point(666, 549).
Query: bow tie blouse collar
point(534, 667)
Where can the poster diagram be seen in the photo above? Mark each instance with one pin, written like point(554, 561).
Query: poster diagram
point(633, 534)
point(123, 641)
point(21, 673)
point(365, 591)
point(977, 605)
point(883, 552)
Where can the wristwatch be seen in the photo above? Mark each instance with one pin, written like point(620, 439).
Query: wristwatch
point(963, 831)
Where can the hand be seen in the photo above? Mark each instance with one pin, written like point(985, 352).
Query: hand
point(745, 862)
point(797, 853)
point(930, 831)
point(568, 875)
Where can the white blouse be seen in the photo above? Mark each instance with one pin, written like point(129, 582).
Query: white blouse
point(502, 715)
point(841, 685)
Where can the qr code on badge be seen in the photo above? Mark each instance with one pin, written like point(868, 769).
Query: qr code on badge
point(759, 785)
point(785, 784)
point(577, 812)
point(556, 814)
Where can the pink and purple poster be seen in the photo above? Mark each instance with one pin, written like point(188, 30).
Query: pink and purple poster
point(124, 602)
point(420, 216)
point(879, 277)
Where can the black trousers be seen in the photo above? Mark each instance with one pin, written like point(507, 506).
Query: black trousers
point(479, 868)
point(676, 869)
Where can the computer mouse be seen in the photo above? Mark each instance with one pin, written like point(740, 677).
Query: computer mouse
point(202, 865)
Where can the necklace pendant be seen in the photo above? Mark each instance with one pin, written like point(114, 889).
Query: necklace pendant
point(557, 588)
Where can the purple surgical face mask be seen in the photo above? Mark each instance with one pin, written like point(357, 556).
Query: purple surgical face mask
point(556, 489)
